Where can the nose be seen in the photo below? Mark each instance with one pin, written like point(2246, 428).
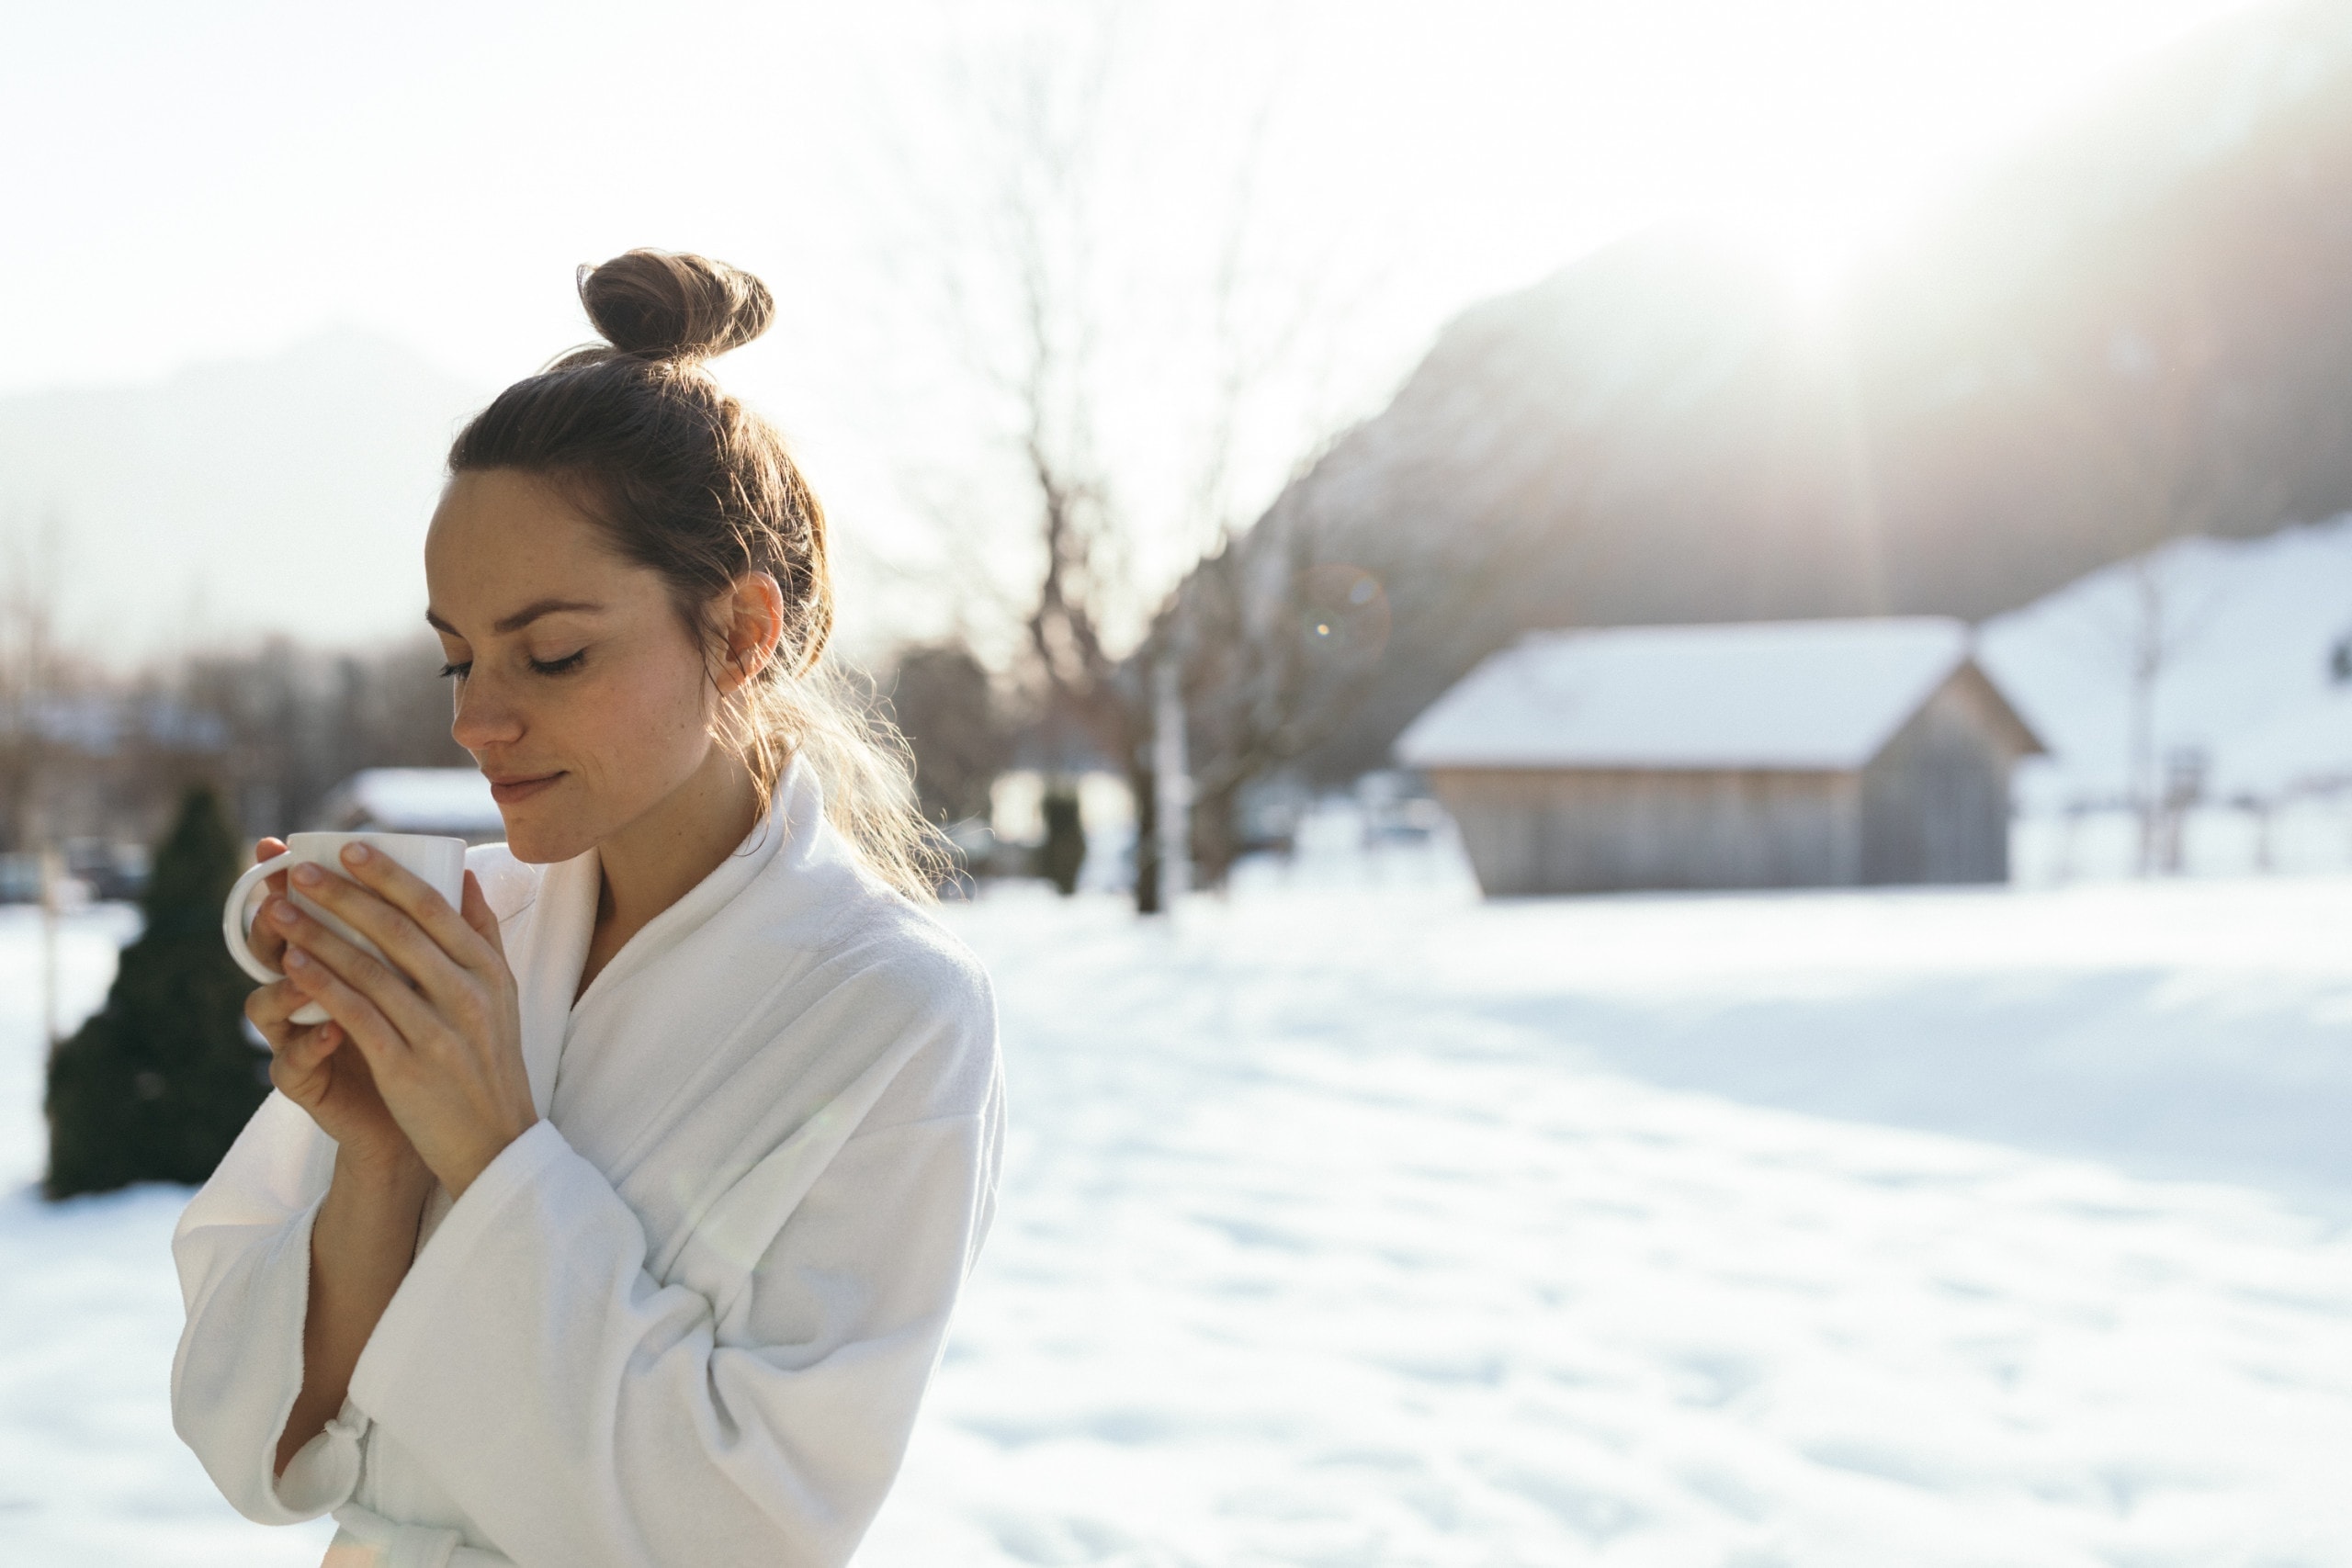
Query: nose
point(483, 717)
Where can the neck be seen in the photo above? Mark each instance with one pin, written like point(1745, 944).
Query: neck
point(658, 859)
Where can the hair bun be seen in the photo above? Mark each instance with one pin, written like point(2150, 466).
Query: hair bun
point(662, 305)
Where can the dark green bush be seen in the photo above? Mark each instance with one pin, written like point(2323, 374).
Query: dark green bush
point(1064, 850)
point(158, 1083)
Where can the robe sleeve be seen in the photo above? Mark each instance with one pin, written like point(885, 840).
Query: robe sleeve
point(585, 1413)
point(242, 1248)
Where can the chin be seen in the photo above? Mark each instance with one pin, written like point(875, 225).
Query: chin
point(540, 842)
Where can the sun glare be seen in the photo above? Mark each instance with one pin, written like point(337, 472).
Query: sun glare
point(1805, 136)
point(1814, 256)
point(1812, 252)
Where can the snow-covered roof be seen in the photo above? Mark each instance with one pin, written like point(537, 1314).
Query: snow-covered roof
point(456, 800)
point(1803, 696)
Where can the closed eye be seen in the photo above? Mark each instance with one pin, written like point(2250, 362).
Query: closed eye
point(458, 670)
point(564, 666)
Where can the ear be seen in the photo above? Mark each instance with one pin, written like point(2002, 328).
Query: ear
point(752, 621)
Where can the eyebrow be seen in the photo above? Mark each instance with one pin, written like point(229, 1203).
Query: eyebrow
point(522, 617)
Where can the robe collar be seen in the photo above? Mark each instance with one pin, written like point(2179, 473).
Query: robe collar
point(566, 920)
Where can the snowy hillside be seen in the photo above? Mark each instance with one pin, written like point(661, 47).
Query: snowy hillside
point(1354, 1222)
point(2249, 626)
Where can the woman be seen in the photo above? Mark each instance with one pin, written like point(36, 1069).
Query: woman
point(627, 1233)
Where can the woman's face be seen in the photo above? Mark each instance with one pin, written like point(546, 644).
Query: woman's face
point(579, 691)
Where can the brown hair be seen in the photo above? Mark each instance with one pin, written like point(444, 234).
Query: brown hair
point(687, 481)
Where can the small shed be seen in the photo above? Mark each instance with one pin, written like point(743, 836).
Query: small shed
point(455, 802)
point(1794, 754)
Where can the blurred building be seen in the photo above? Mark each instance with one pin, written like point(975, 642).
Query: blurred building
point(456, 802)
point(1821, 753)
point(91, 774)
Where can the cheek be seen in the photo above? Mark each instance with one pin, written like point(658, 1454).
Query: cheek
point(642, 722)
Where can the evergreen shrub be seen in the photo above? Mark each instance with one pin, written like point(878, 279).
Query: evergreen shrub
point(160, 1081)
point(1064, 850)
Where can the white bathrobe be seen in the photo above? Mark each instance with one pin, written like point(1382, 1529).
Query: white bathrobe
point(686, 1318)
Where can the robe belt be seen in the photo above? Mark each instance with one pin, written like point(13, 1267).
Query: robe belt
point(370, 1540)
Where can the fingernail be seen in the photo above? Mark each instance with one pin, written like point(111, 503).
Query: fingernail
point(296, 959)
point(285, 914)
point(308, 874)
point(355, 853)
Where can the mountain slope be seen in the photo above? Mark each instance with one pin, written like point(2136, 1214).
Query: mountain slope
point(2138, 330)
point(289, 491)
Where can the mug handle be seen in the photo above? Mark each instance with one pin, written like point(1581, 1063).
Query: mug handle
point(237, 926)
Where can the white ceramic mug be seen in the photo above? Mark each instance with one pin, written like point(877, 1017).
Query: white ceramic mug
point(439, 862)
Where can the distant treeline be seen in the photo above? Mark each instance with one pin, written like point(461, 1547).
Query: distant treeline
point(273, 728)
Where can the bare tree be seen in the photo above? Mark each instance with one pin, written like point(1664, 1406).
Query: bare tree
point(30, 667)
point(942, 702)
point(2170, 450)
point(292, 722)
point(1057, 331)
point(1275, 644)
point(1285, 630)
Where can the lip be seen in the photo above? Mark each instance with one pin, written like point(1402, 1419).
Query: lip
point(522, 787)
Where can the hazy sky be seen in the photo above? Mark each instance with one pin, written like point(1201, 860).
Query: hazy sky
point(187, 182)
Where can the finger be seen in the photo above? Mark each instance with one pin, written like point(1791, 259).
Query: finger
point(314, 1043)
point(269, 1007)
point(269, 849)
point(315, 956)
point(411, 950)
point(265, 938)
point(422, 955)
point(482, 917)
point(296, 1066)
point(385, 1048)
point(307, 1048)
point(419, 901)
point(297, 1082)
point(312, 1039)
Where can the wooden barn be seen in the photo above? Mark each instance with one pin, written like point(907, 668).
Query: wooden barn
point(1796, 754)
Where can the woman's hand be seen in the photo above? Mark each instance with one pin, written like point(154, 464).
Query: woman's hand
point(316, 1065)
point(446, 1056)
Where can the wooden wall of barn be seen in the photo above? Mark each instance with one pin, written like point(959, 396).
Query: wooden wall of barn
point(1609, 831)
point(1936, 799)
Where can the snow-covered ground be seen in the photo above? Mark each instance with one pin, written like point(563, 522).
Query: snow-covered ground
point(90, 1472)
point(1354, 1222)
